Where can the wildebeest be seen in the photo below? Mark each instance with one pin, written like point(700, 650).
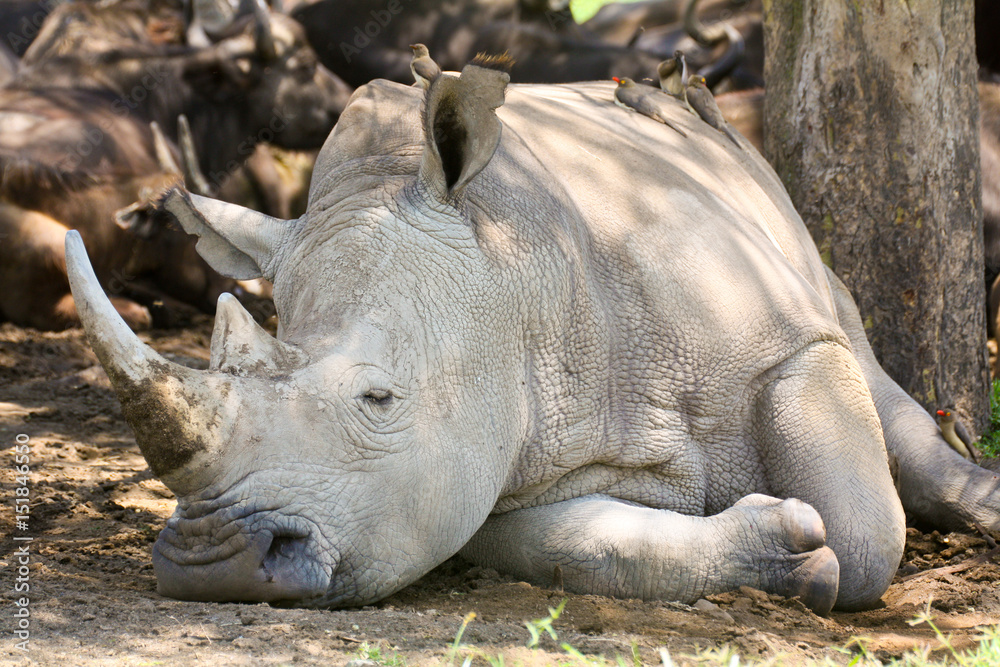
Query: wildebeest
point(262, 82)
point(699, 29)
point(75, 146)
point(272, 181)
point(548, 332)
point(620, 22)
point(48, 186)
point(81, 28)
point(543, 56)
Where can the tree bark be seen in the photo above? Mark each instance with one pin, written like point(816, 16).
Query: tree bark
point(872, 120)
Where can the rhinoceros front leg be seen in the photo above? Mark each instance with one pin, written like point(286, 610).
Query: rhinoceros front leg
point(610, 547)
point(936, 485)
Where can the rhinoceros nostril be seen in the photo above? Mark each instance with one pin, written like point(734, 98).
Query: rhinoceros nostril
point(278, 545)
point(282, 553)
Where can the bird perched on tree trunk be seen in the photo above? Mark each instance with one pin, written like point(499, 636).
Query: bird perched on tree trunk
point(673, 72)
point(424, 69)
point(630, 95)
point(703, 102)
point(955, 435)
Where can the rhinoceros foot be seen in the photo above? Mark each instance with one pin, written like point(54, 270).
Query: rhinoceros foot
point(793, 560)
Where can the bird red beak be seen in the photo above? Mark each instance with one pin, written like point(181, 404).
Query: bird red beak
point(940, 413)
point(616, 79)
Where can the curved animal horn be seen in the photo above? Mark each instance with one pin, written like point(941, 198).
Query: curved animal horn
point(694, 27)
point(262, 32)
point(241, 346)
point(164, 156)
point(706, 36)
point(173, 410)
point(709, 37)
point(194, 178)
point(715, 72)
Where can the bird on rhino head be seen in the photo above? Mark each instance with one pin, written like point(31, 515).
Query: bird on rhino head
point(424, 69)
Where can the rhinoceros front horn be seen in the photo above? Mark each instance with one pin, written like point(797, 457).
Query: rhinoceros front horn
point(177, 413)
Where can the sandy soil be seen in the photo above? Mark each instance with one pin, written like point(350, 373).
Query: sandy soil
point(95, 512)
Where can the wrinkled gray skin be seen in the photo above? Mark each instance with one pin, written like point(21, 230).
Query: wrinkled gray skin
point(571, 337)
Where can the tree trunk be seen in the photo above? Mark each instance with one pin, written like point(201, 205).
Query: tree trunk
point(872, 120)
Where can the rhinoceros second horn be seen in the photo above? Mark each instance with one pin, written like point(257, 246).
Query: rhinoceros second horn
point(241, 346)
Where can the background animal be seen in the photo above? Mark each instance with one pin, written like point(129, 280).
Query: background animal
point(75, 147)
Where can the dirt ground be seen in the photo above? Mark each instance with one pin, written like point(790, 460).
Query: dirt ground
point(95, 511)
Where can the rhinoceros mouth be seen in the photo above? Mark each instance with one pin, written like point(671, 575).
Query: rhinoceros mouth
point(263, 557)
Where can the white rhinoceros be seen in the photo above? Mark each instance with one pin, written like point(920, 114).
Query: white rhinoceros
point(552, 332)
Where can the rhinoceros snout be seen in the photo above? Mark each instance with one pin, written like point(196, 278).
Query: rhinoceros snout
point(267, 565)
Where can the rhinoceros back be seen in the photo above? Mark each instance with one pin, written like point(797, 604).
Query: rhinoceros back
point(672, 268)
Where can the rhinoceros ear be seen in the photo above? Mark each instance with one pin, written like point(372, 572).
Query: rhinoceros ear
point(237, 242)
point(461, 130)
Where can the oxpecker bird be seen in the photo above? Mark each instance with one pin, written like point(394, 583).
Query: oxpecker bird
point(955, 435)
point(673, 72)
point(423, 66)
point(703, 102)
point(630, 95)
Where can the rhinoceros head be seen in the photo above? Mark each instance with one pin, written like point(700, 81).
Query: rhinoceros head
point(367, 443)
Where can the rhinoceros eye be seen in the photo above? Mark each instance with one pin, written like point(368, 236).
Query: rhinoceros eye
point(378, 397)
